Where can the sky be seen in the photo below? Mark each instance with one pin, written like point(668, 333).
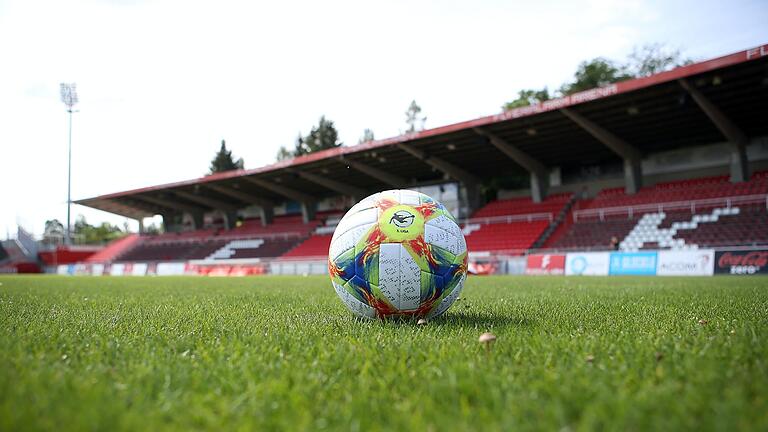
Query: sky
point(162, 82)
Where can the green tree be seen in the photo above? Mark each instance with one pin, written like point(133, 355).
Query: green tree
point(651, 59)
point(224, 161)
point(284, 153)
point(321, 137)
point(527, 98)
point(595, 73)
point(413, 118)
point(367, 136)
point(53, 232)
point(101, 234)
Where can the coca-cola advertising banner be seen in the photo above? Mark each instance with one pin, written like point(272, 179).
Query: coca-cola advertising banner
point(742, 262)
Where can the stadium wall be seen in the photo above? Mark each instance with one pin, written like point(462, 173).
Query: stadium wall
point(695, 262)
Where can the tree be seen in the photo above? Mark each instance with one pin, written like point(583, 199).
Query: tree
point(89, 234)
point(413, 118)
point(54, 232)
point(367, 136)
point(651, 59)
point(321, 137)
point(224, 161)
point(597, 72)
point(527, 98)
point(153, 229)
point(284, 153)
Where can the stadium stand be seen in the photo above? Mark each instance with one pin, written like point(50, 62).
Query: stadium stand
point(275, 239)
point(67, 254)
point(18, 260)
point(114, 249)
point(697, 213)
point(585, 138)
point(513, 224)
point(254, 248)
point(315, 246)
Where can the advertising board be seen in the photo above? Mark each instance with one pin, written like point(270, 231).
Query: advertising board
point(633, 263)
point(742, 262)
point(545, 264)
point(587, 263)
point(686, 263)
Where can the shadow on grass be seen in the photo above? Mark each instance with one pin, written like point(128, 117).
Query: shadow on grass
point(481, 320)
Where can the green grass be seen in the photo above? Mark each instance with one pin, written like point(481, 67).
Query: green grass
point(266, 353)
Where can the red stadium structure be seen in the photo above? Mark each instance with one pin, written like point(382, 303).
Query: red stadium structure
point(673, 161)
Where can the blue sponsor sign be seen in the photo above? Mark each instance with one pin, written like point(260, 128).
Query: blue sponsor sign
point(633, 263)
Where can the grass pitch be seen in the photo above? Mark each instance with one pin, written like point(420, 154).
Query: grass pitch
point(268, 353)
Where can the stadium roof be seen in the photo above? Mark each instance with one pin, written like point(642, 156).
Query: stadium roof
point(644, 115)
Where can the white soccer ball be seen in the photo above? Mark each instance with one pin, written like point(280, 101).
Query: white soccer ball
point(398, 253)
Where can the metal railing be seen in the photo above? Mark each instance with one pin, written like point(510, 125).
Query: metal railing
point(631, 210)
point(530, 217)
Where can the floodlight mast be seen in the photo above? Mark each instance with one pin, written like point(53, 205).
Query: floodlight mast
point(69, 97)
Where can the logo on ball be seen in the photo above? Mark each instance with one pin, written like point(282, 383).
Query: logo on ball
point(402, 219)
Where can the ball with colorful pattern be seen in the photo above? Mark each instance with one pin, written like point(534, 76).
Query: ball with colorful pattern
point(398, 253)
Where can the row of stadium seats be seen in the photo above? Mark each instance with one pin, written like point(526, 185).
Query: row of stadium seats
point(524, 205)
point(315, 246)
point(684, 190)
point(515, 237)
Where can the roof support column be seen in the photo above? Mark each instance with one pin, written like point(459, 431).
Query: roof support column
point(230, 219)
point(538, 171)
point(633, 175)
point(307, 211)
point(737, 139)
point(197, 220)
point(539, 186)
point(141, 225)
point(267, 214)
point(168, 225)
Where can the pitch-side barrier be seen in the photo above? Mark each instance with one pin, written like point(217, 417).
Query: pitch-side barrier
point(693, 262)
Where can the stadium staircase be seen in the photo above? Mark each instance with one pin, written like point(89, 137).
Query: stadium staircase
point(18, 259)
point(114, 249)
point(318, 244)
point(560, 224)
point(513, 225)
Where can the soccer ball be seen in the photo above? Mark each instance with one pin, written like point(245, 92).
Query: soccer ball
point(398, 253)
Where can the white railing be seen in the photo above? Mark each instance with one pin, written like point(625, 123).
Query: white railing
point(530, 217)
point(165, 238)
point(691, 205)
